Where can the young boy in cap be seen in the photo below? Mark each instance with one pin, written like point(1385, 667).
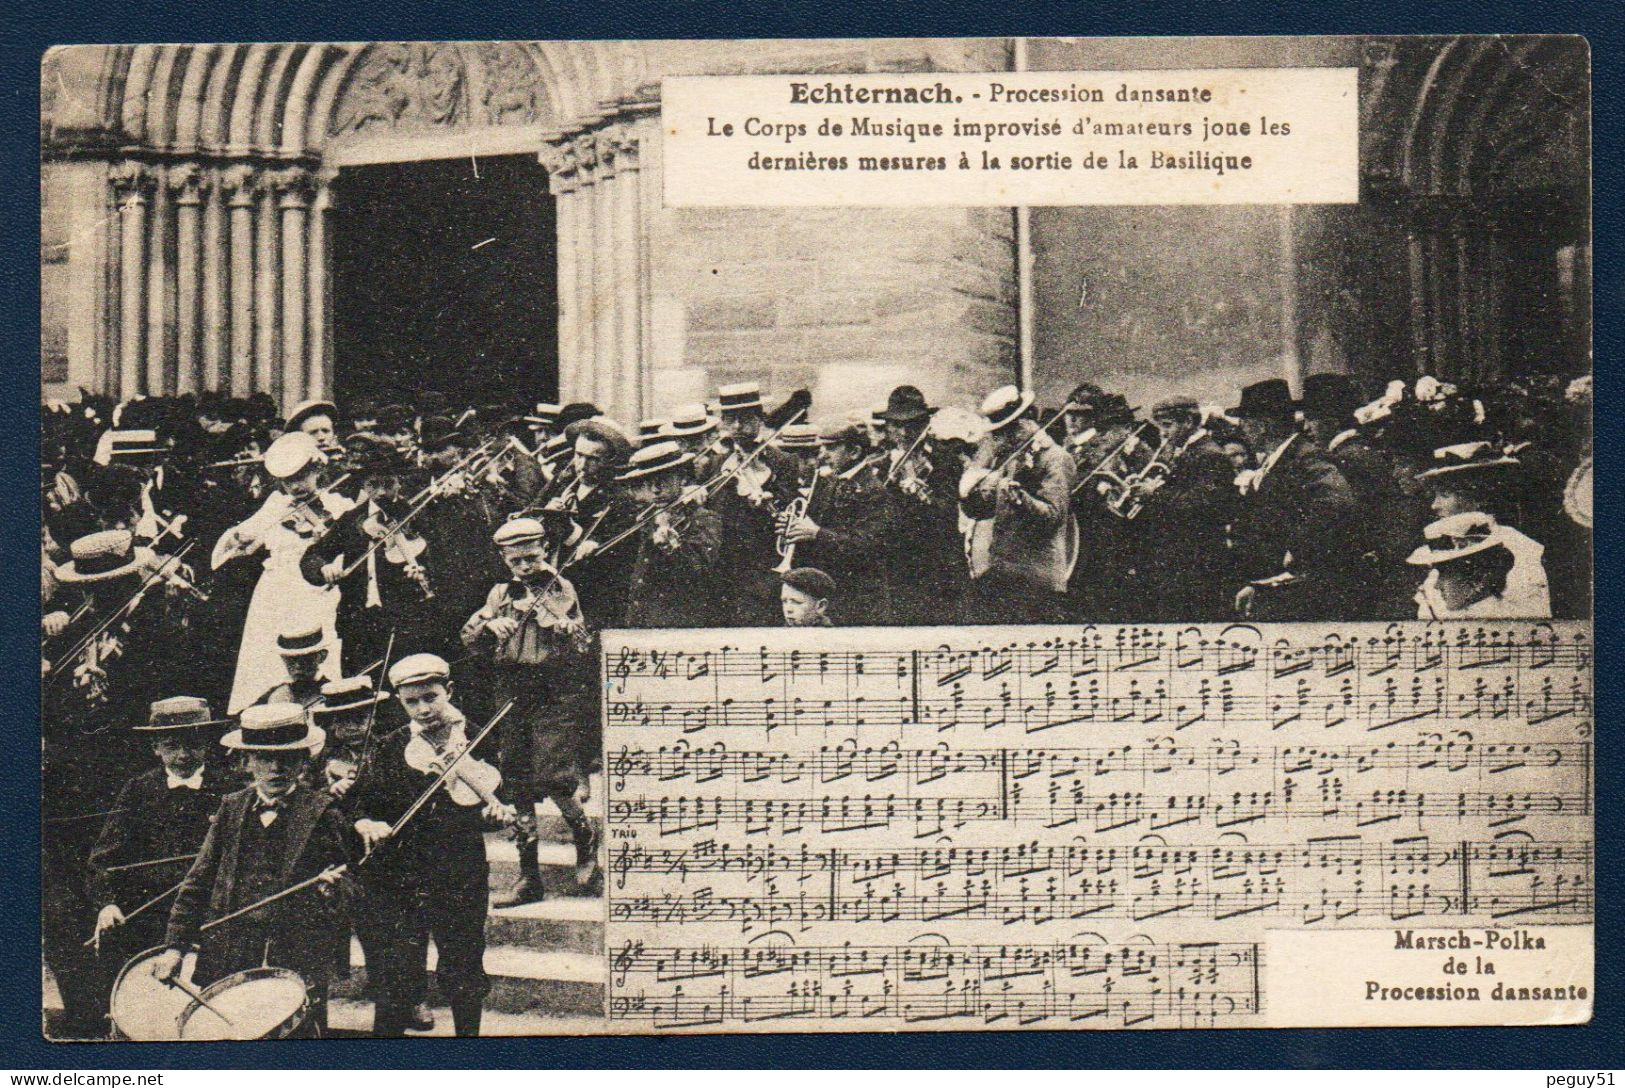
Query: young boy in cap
point(432, 878)
point(262, 840)
point(532, 629)
point(805, 597)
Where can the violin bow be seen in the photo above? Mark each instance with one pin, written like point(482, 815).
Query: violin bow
point(444, 776)
point(129, 603)
point(372, 712)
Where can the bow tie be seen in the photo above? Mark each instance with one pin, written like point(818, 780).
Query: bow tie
point(178, 783)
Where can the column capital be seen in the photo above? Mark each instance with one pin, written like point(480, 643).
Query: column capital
point(293, 186)
point(241, 184)
point(189, 181)
point(618, 144)
point(132, 180)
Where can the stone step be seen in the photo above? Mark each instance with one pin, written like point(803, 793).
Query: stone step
point(523, 980)
point(558, 867)
point(561, 923)
point(353, 1019)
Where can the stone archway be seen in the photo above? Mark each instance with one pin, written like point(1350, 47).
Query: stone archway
point(208, 259)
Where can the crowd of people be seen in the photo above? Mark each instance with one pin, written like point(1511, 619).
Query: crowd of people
point(358, 588)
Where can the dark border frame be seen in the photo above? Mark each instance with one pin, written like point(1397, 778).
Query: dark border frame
point(33, 26)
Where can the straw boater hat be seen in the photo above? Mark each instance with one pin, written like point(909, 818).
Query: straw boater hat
point(798, 436)
point(350, 693)
point(689, 420)
point(301, 641)
point(419, 669)
point(100, 557)
point(1467, 457)
point(649, 430)
point(739, 397)
point(274, 727)
point(545, 414)
point(1457, 537)
point(126, 443)
point(291, 454)
point(178, 713)
point(1004, 406)
point(655, 459)
point(305, 409)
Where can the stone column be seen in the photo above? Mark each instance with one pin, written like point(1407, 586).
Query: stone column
point(318, 323)
point(625, 229)
point(293, 187)
point(190, 184)
point(606, 279)
point(584, 368)
point(241, 184)
point(213, 350)
point(159, 329)
point(132, 182)
point(562, 183)
point(267, 295)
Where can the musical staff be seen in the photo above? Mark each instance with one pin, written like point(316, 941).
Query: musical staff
point(806, 826)
point(1048, 985)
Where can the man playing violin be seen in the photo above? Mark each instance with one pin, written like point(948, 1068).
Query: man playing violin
point(433, 877)
point(377, 568)
point(533, 631)
point(927, 576)
point(678, 543)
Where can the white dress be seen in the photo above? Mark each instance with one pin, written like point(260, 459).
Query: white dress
point(282, 599)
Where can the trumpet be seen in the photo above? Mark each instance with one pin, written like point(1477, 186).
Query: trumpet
point(794, 511)
point(1123, 487)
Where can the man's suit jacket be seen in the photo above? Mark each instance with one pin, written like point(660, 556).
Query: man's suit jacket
point(1034, 534)
point(306, 929)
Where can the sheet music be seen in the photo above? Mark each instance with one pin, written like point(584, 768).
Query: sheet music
point(1098, 827)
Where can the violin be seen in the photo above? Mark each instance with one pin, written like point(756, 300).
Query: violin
point(472, 782)
point(400, 548)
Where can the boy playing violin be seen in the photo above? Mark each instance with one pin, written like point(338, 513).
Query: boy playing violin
point(433, 877)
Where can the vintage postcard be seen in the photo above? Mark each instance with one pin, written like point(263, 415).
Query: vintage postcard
point(559, 537)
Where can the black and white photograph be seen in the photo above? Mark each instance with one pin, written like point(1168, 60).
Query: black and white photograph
point(570, 538)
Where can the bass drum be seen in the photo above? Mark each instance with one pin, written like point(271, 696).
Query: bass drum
point(1577, 494)
point(142, 1009)
point(260, 1003)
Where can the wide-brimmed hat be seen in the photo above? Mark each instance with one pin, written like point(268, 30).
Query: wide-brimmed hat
point(419, 669)
point(905, 405)
point(688, 421)
point(1005, 405)
point(739, 397)
point(649, 430)
point(575, 412)
point(99, 557)
point(602, 429)
point(291, 454)
point(1085, 397)
point(1463, 457)
point(274, 727)
point(177, 713)
point(1268, 399)
point(798, 436)
point(350, 693)
point(1457, 537)
point(1330, 396)
point(305, 409)
point(654, 459)
point(301, 641)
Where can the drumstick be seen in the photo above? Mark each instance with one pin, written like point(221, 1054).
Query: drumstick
point(192, 992)
point(299, 887)
point(154, 901)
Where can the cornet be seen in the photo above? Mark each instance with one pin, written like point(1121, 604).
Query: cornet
point(794, 511)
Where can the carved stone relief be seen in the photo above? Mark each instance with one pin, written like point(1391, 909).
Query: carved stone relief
point(402, 85)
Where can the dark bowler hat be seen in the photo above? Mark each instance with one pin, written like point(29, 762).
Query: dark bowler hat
point(1268, 399)
point(905, 405)
point(177, 713)
point(576, 411)
point(654, 459)
point(350, 693)
point(274, 727)
point(811, 581)
point(1330, 396)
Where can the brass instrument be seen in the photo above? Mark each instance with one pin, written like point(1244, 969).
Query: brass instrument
point(794, 511)
point(1133, 471)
